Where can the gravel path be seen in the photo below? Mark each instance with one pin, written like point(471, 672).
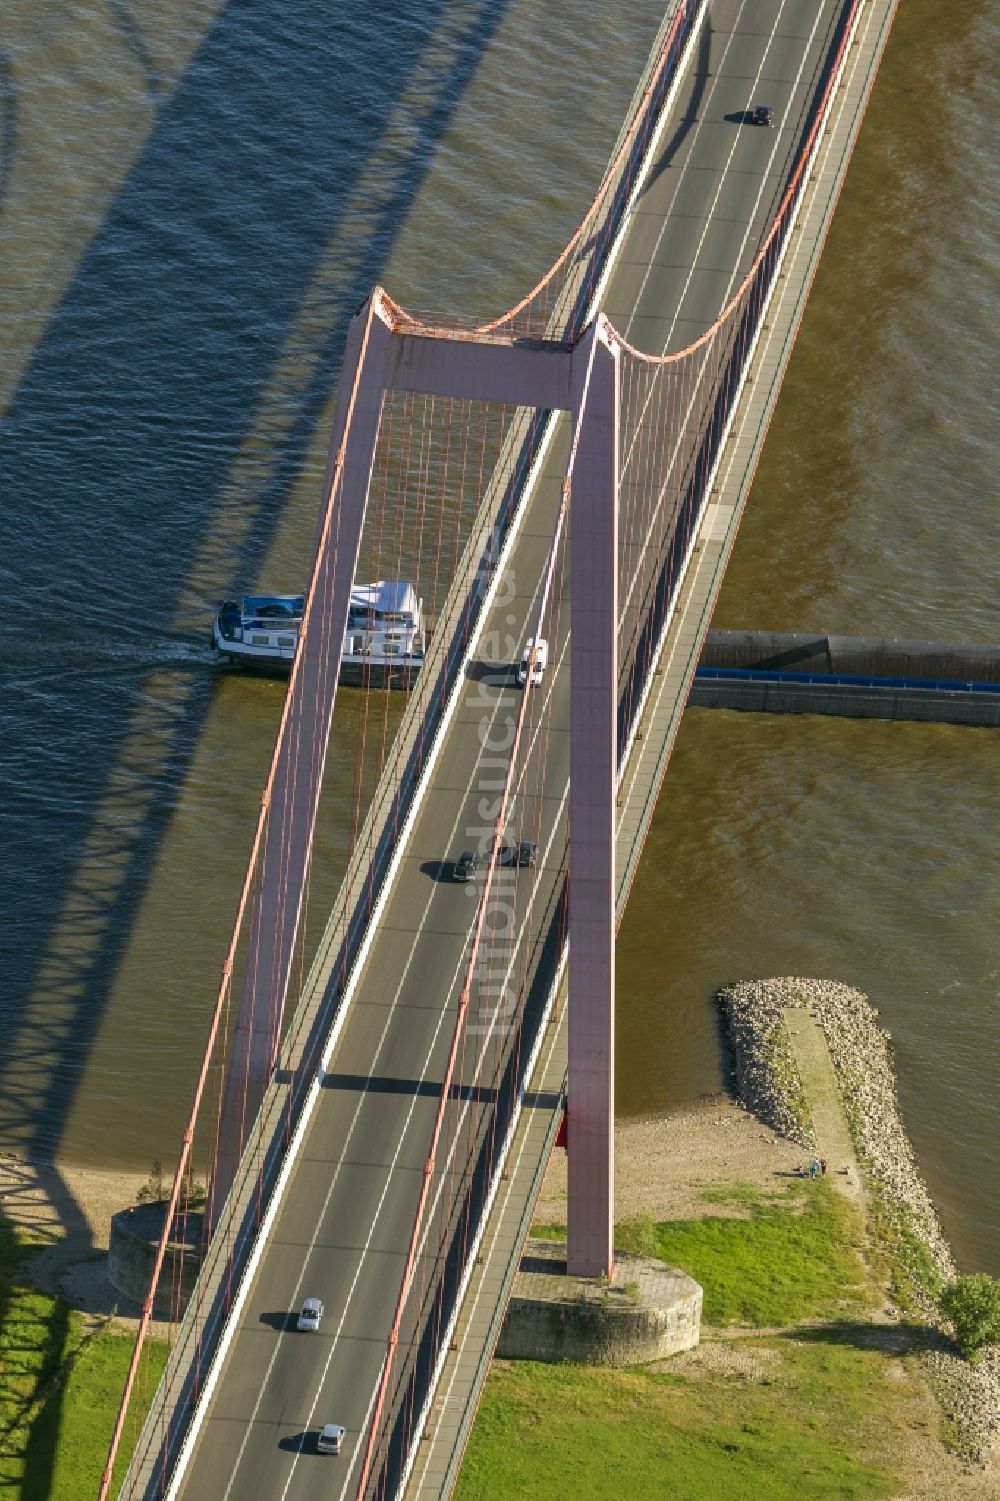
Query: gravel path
point(831, 1134)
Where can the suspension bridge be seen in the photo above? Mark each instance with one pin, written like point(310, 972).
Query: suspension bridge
point(377, 1121)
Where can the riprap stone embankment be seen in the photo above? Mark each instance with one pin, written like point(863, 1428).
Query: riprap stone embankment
point(861, 1053)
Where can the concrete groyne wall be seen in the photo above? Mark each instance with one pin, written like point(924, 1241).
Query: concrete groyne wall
point(858, 656)
point(867, 677)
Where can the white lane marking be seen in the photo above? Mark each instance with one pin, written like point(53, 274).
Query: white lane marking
point(855, 59)
point(466, 1105)
point(717, 77)
point(637, 574)
point(500, 703)
point(443, 1173)
point(667, 213)
point(456, 1365)
point(855, 63)
point(230, 1325)
point(464, 1339)
point(732, 277)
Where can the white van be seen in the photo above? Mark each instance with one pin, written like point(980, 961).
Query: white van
point(541, 661)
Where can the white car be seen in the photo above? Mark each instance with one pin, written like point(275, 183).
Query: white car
point(330, 1439)
point(311, 1316)
point(541, 647)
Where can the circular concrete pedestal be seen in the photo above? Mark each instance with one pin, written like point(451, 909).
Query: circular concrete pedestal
point(647, 1310)
point(135, 1235)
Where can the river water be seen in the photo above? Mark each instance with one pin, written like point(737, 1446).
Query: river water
point(194, 196)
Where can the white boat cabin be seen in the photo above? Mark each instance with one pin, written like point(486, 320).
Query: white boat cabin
point(385, 629)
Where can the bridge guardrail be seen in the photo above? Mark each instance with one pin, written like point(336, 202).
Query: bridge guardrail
point(744, 334)
point(261, 1171)
point(323, 1005)
point(239, 1221)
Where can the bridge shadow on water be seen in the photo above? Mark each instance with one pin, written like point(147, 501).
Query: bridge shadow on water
point(212, 263)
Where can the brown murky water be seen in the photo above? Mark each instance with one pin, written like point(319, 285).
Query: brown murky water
point(862, 851)
point(177, 312)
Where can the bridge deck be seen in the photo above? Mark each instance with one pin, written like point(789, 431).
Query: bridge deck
point(451, 1416)
point(347, 1211)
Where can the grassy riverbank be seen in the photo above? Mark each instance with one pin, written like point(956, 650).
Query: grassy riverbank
point(594, 1434)
point(61, 1376)
point(799, 1390)
point(787, 1255)
point(808, 1383)
point(821, 1350)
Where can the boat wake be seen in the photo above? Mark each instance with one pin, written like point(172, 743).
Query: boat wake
point(94, 657)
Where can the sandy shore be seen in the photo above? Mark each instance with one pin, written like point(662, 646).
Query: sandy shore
point(663, 1164)
point(68, 1211)
point(663, 1167)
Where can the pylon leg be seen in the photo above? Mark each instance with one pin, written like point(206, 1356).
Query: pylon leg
point(298, 772)
point(593, 772)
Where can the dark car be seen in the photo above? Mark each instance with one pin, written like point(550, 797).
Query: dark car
point(763, 115)
point(524, 853)
point(466, 865)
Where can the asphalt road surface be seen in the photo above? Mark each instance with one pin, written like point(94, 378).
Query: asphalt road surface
point(347, 1213)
